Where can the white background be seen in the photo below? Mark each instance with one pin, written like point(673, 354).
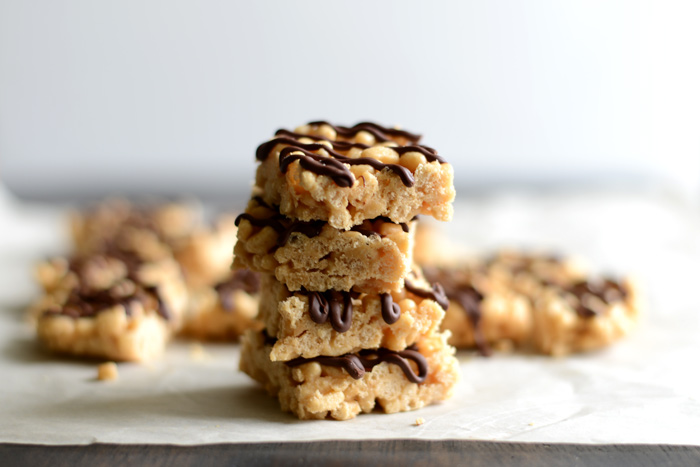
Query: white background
point(173, 96)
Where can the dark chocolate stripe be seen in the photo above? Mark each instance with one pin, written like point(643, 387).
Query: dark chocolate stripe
point(391, 311)
point(334, 167)
point(379, 132)
point(337, 306)
point(405, 174)
point(273, 221)
point(464, 293)
point(264, 150)
point(470, 300)
point(309, 228)
point(365, 232)
point(341, 175)
point(320, 165)
point(429, 153)
point(437, 293)
point(607, 290)
point(88, 303)
point(333, 305)
point(356, 365)
point(404, 225)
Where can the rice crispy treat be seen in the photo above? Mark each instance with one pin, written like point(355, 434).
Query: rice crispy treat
point(348, 175)
point(587, 316)
point(572, 310)
point(226, 311)
point(101, 307)
point(342, 387)
point(373, 256)
point(547, 302)
point(331, 323)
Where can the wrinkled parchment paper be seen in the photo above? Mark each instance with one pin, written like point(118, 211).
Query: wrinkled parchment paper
point(644, 390)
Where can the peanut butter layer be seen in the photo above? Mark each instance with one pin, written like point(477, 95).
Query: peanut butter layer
point(374, 256)
point(309, 324)
point(224, 312)
point(321, 388)
point(348, 175)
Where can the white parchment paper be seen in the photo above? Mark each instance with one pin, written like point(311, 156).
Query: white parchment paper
point(644, 390)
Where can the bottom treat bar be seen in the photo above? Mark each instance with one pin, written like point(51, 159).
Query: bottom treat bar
point(342, 387)
point(226, 311)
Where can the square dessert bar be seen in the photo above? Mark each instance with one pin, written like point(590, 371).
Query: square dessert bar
point(346, 175)
point(225, 311)
point(100, 306)
point(309, 324)
point(546, 302)
point(342, 387)
point(373, 256)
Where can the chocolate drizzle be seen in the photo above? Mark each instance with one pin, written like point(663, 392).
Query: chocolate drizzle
point(309, 228)
point(266, 148)
point(468, 297)
point(241, 279)
point(607, 290)
point(470, 300)
point(404, 225)
point(334, 305)
point(379, 132)
point(85, 303)
point(356, 365)
point(391, 311)
point(273, 221)
point(285, 227)
point(337, 306)
point(437, 293)
point(335, 164)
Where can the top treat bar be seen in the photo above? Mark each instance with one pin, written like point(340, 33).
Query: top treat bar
point(345, 175)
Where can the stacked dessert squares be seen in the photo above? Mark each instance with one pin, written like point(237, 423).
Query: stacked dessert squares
point(350, 323)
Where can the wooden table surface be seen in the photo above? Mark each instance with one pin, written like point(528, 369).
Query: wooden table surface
point(353, 453)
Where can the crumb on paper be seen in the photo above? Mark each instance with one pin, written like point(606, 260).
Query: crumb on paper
point(531, 424)
point(107, 372)
point(419, 421)
point(198, 353)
